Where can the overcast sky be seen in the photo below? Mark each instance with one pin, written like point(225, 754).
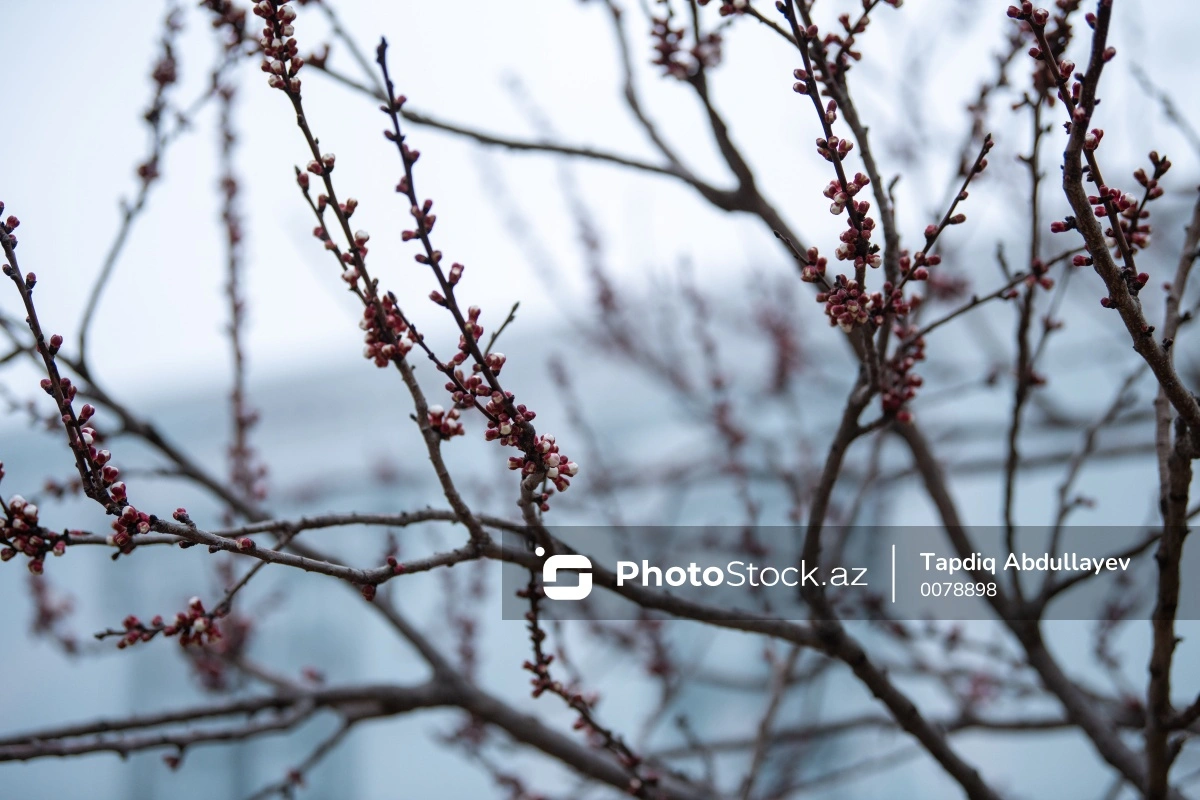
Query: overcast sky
point(76, 83)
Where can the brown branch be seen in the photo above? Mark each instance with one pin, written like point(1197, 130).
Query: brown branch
point(767, 736)
point(1025, 356)
point(519, 145)
point(1119, 294)
point(39, 746)
point(1079, 707)
point(295, 775)
point(1159, 752)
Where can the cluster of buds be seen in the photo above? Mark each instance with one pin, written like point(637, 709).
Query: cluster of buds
point(502, 426)
point(425, 221)
point(494, 361)
point(1026, 11)
point(507, 422)
point(668, 48)
point(383, 348)
point(229, 17)
point(856, 239)
point(98, 474)
point(324, 166)
point(446, 423)
point(464, 389)
point(194, 626)
point(707, 52)
point(281, 58)
point(471, 332)
point(357, 254)
point(559, 469)
point(842, 195)
point(942, 286)
point(1038, 276)
point(900, 382)
point(130, 523)
point(1131, 219)
point(106, 474)
point(847, 304)
point(68, 388)
point(21, 532)
point(895, 303)
point(166, 70)
point(641, 780)
point(813, 270)
point(409, 154)
point(212, 662)
point(452, 277)
point(730, 7)
point(834, 148)
point(676, 60)
point(7, 226)
point(1058, 37)
point(851, 29)
point(1134, 282)
point(540, 666)
point(916, 267)
point(1126, 205)
point(801, 84)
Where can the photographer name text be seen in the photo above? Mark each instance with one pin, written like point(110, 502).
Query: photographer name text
point(1024, 562)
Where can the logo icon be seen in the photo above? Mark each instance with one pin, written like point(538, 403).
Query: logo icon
point(581, 564)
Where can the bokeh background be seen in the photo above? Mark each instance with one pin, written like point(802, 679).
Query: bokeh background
point(335, 432)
